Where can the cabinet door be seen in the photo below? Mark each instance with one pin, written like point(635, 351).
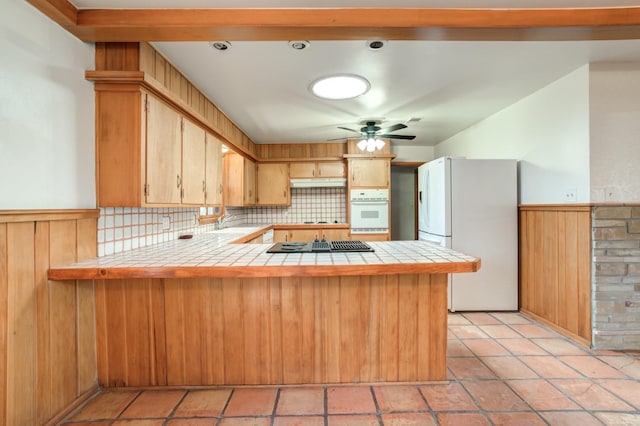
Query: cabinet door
point(331, 169)
point(302, 170)
point(335, 234)
point(273, 184)
point(249, 182)
point(213, 171)
point(163, 152)
point(193, 163)
point(280, 235)
point(304, 235)
point(369, 172)
point(233, 179)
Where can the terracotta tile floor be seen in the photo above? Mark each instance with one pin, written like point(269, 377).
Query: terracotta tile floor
point(504, 369)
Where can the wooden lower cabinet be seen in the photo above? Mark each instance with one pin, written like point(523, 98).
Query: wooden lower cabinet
point(331, 234)
point(278, 330)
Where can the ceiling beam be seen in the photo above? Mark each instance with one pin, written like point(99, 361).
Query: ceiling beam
point(344, 23)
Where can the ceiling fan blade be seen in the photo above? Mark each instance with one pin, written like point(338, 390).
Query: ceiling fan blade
point(407, 137)
point(337, 139)
point(346, 128)
point(393, 128)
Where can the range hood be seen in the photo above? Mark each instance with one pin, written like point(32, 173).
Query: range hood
point(319, 183)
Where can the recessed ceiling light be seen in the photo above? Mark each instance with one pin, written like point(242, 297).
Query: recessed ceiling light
point(299, 44)
point(376, 44)
point(342, 86)
point(221, 45)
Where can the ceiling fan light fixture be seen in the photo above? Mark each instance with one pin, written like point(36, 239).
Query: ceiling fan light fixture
point(370, 144)
point(339, 87)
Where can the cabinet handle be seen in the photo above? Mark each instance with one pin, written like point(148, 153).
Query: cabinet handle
point(178, 181)
point(313, 173)
point(204, 187)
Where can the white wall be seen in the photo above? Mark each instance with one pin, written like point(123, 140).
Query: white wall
point(548, 132)
point(615, 132)
point(46, 113)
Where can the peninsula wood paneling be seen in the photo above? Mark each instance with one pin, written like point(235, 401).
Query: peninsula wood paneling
point(555, 271)
point(47, 332)
point(215, 331)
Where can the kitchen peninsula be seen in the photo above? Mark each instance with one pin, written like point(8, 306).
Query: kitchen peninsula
point(204, 311)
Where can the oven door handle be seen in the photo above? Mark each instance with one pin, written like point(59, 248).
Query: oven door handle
point(377, 202)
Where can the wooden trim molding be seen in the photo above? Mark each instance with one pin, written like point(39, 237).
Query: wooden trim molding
point(12, 216)
point(407, 163)
point(555, 207)
point(93, 25)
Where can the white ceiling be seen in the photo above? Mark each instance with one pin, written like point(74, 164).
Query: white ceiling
point(448, 85)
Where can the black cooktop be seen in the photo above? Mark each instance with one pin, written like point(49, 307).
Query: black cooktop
point(320, 247)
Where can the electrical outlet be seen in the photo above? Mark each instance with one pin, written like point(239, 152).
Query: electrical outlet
point(571, 195)
point(166, 223)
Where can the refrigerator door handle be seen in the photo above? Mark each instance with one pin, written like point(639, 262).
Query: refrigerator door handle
point(427, 221)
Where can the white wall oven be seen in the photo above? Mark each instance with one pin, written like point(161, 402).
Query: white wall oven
point(369, 211)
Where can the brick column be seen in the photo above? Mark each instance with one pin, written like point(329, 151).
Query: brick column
point(616, 277)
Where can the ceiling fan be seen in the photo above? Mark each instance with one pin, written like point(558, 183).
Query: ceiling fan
point(371, 130)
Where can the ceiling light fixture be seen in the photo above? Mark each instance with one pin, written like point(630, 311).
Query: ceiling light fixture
point(221, 45)
point(341, 86)
point(375, 44)
point(299, 44)
point(370, 144)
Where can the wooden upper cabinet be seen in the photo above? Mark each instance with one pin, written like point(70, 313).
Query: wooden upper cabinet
point(303, 169)
point(369, 172)
point(317, 169)
point(213, 171)
point(273, 184)
point(249, 182)
point(164, 154)
point(239, 180)
point(149, 154)
point(331, 169)
point(193, 163)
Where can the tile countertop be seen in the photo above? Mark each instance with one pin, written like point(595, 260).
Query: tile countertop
point(214, 255)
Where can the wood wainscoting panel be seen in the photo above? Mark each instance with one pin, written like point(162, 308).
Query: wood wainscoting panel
point(47, 332)
point(293, 330)
point(555, 271)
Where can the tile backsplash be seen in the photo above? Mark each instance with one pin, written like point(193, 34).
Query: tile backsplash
point(122, 228)
point(307, 205)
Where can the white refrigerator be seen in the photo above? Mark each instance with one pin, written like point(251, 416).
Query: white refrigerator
point(470, 205)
